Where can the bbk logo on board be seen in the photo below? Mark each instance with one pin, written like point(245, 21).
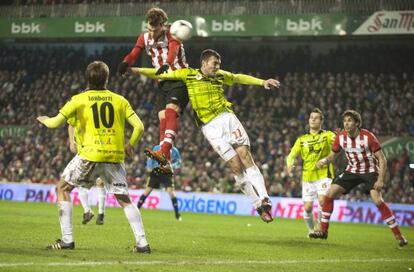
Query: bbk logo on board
point(228, 26)
point(304, 25)
point(25, 28)
point(88, 27)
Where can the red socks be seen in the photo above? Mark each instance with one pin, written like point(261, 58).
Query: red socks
point(327, 209)
point(170, 131)
point(163, 123)
point(385, 211)
point(389, 218)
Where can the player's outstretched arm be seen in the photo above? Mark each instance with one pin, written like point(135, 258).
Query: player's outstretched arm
point(148, 72)
point(249, 80)
point(179, 74)
point(52, 122)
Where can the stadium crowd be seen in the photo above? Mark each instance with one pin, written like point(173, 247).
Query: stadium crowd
point(57, 2)
point(35, 80)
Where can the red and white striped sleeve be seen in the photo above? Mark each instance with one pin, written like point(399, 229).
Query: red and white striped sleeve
point(336, 147)
point(173, 49)
point(373, 142)
point(135, 52)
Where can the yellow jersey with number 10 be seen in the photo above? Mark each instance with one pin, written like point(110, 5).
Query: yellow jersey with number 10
point(98, 118)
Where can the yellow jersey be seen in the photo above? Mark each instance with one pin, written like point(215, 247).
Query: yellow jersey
point(206, 94)
point(312, 148)
point(98, 118)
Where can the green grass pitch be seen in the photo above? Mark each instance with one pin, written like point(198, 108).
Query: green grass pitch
point(201, 242)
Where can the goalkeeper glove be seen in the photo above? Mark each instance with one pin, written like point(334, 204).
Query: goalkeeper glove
point(122, 68)
point(163, 69)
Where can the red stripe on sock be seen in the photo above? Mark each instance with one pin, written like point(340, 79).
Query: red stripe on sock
point(328, 205)
point(386, 213)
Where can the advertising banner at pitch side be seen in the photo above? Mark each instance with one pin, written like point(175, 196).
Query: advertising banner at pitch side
point(229, 204)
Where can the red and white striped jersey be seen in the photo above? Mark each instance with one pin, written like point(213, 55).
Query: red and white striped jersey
point(164, 50)
point(359, 151)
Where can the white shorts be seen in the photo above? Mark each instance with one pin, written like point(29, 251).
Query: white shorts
point(223, 132)
point(311, 190)
point(82, 173)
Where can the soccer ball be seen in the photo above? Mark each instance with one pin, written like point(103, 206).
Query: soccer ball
point(181, 30)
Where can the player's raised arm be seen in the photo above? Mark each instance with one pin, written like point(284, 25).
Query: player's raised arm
point(130, 59)
point(52, 122)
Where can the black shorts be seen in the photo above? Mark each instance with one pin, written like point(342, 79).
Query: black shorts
point(156, 180)
point(349, 180)
point(172, 91)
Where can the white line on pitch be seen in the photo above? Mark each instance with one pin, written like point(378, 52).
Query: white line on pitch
point(212, 262)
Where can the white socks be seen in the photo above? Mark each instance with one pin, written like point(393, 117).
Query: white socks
point(247, 188)
point(308, 217)
point(101, 199)
point(65, 219)
point(83, 194)
point(83, 197)
point(135, 221)
point(256, 179)
point(131, 212)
